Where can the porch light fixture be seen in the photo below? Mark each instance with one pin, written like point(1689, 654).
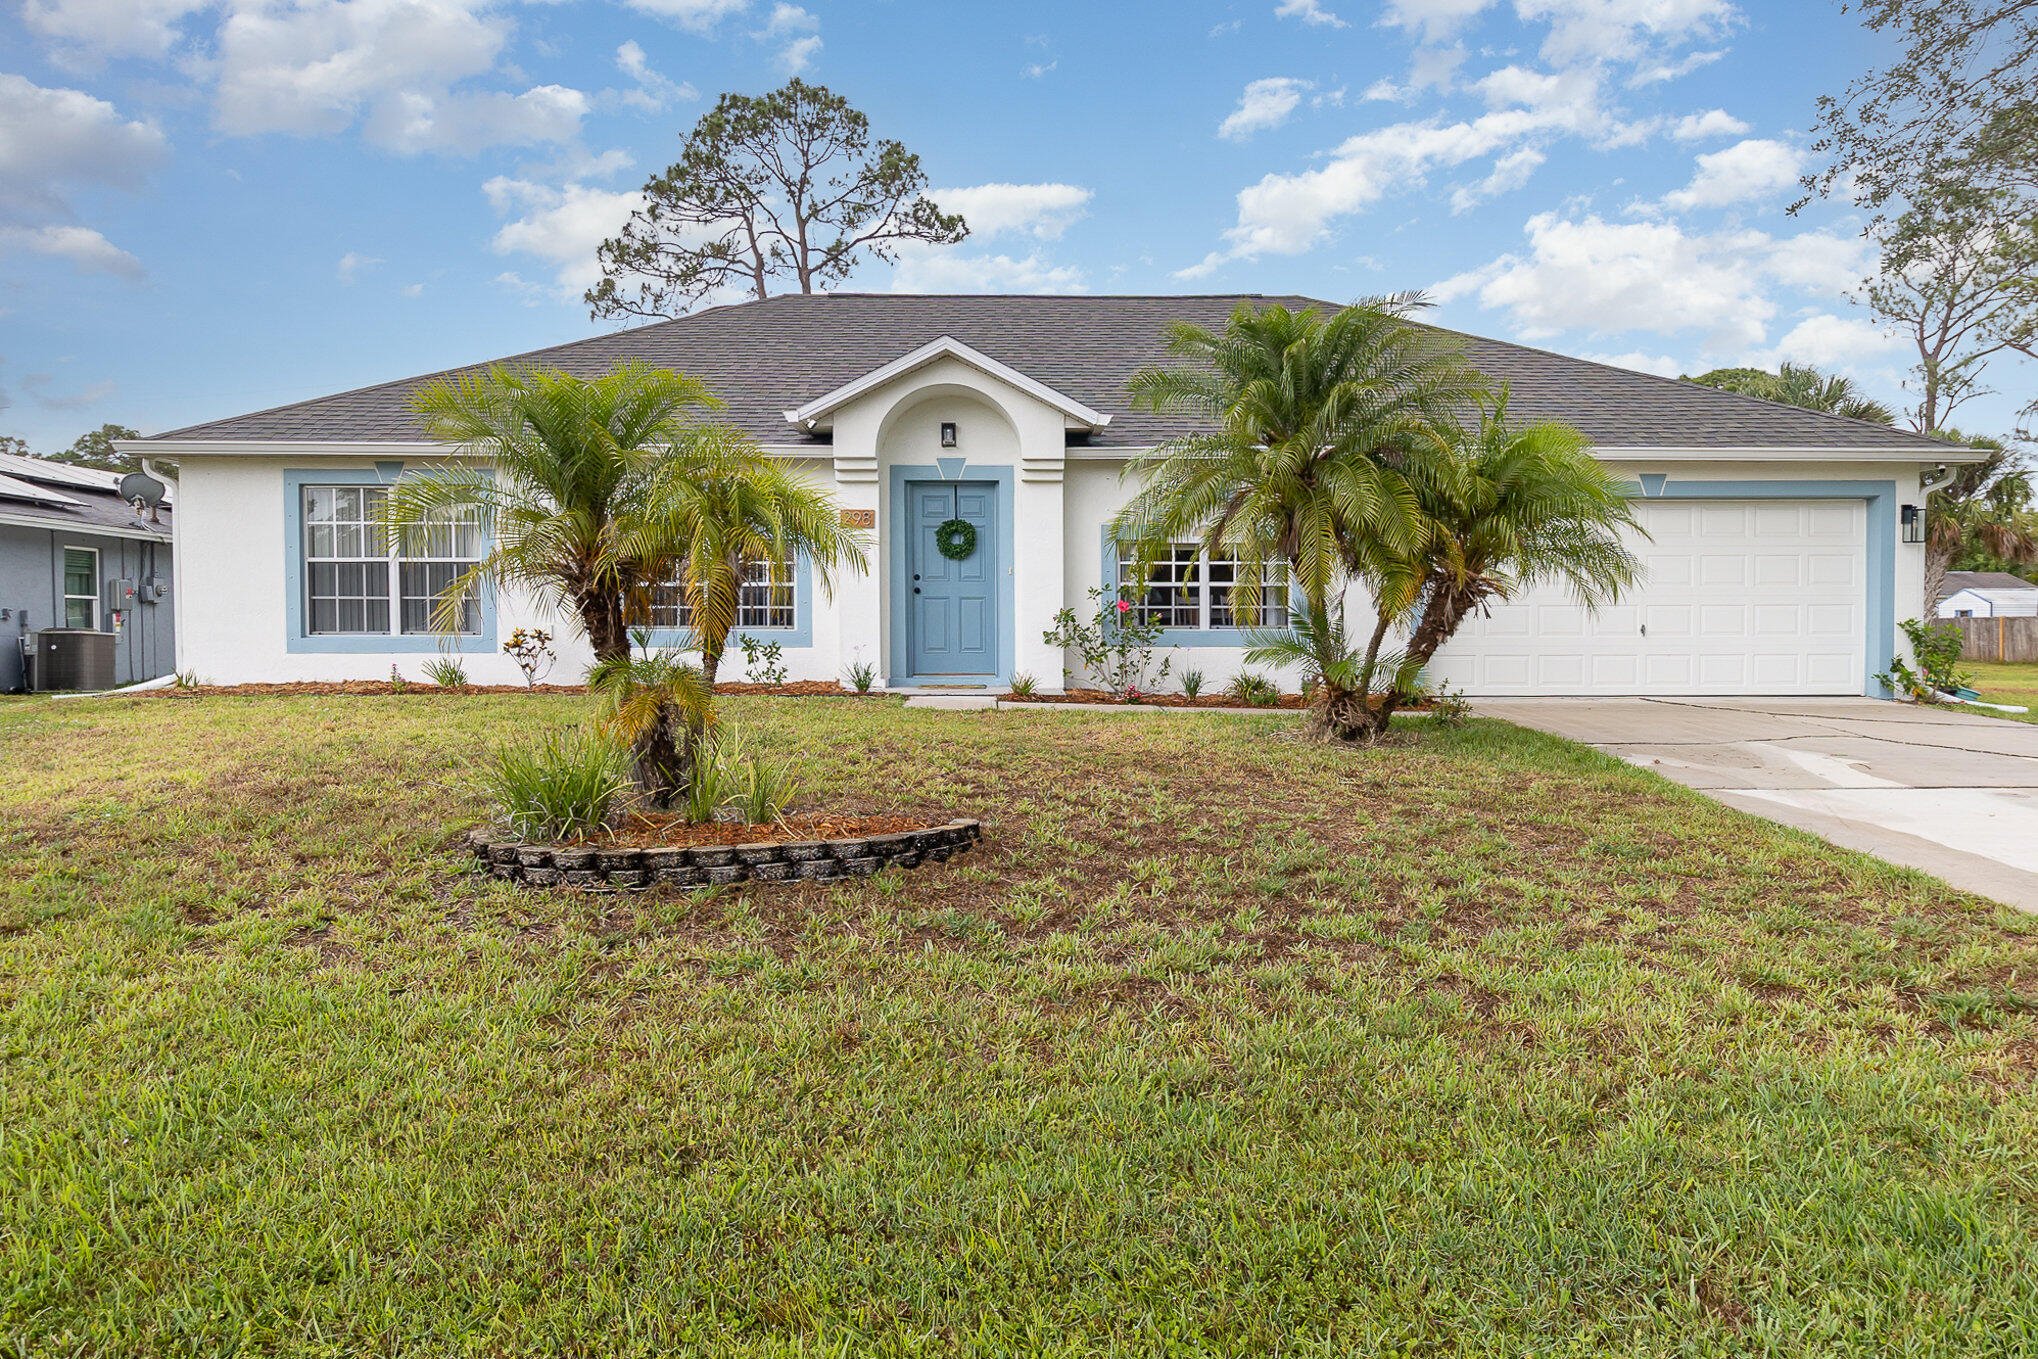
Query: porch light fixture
point(1914, 524)
point(948, 434)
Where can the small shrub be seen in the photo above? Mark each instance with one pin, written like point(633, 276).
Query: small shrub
point(862, 675)
point(763, 662)
point(1116, 645)
point(1024, 686)
point(718, 779)
point(1253, 690)
point(186, 679)
point(446, 672)
point(1937, 649)
point(1192, 683)
point(396, 681)
point(531, 649)
point(562, 786)
point(767, 786)
point(1449, 706)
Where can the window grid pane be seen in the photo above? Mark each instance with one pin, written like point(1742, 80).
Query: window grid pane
point(767, 600)
point(434, 554)
point(1175, 595)
point(346, 574)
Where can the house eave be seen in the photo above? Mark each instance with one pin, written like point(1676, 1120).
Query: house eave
point(815, 415)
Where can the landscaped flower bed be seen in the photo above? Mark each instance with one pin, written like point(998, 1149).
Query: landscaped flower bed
point(718, 853)
point(796, 689)
point(1217, 700)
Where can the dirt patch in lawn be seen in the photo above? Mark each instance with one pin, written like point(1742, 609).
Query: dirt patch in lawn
point(654, 831)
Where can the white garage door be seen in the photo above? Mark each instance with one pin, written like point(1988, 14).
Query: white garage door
point(1740, 597)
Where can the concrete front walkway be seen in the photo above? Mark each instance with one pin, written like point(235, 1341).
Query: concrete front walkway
point(1952, 793)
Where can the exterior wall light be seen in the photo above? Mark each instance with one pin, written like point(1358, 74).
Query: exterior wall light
point(1914, 524)
point(948, 434)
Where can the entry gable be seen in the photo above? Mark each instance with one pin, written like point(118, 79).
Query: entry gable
point(818, 414)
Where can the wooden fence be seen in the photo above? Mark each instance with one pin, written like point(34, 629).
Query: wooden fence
point(1997, 639)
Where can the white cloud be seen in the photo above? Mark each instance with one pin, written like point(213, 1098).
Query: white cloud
point(1821, 262)
point(1661, 365)
point(1043, 211)
point(1610, 278)
point(1656, 73)
point(560, 225)
point(89, 29)
point(924, 270)
point(1286, 214)
point(1308, 11)
point(413, 289)
point(1751, 169)
point(52, 140)
point(696, 16)
point(1698, 127)
point(653, 92)
point(801, 32)
point(319, 66)
point(1264, 104)
point(1432, 20)
point(1038, 69)
point(1828, 341)
point(353, 263)
point(86, 250)
point(1509, 173)
point(1624, 30)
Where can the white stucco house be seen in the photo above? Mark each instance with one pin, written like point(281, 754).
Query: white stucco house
point(1780, 557)
point(1987, 594)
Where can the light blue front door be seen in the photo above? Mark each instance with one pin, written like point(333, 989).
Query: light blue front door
point(952, 610)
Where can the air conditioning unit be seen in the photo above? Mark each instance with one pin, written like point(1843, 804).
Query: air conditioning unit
point(72, 658)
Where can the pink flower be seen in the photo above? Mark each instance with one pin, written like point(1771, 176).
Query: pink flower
point(1124, 607)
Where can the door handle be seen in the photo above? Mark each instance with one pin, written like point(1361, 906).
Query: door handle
point(916, 575)
point(916, 589)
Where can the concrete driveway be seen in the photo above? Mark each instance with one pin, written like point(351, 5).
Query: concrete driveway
point(1952, 793)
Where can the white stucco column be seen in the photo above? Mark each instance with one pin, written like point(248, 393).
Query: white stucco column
point(1037, 560)
point(859, 606)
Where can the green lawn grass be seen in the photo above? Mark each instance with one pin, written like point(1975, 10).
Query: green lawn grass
point(1476, 1043)
point(2004, 683)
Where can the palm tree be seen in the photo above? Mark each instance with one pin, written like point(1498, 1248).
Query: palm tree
point(723, 524)
point(1983, 514)
point(562, 487)
point(1319, 438)
point(1533, 508)
point(660, 707)
point(1800, 384)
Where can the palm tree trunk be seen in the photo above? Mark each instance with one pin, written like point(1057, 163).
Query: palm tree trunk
point(601, 617)
point(1938, 561)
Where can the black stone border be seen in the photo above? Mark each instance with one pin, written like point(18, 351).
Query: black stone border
point(634, 870)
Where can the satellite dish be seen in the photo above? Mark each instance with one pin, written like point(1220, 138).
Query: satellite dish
point(140, 487)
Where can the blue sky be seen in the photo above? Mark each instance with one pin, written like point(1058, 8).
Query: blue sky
point(207, 208)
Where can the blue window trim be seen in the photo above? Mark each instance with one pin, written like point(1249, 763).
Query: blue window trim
point(1187, 637)
point(1880, 497)
point(295, 637)
point(800, 634)
point(1005, 479)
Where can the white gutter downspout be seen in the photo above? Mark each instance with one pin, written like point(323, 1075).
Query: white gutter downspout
point(1927, 485)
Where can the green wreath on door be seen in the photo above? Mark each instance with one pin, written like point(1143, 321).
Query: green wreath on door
point(956, 539)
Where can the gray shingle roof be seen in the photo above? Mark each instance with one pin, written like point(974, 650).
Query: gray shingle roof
point(1984, 580)
point(93, 498)
point(764, 358)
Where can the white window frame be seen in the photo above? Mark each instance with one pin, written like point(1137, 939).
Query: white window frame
point(1273, 589)
point(670, 611)
point(392, 558)
point(98, 583)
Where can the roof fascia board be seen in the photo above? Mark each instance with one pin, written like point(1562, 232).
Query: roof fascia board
point(1631, 454)
point(169, 450)
point(810, 415)
point(82, 530)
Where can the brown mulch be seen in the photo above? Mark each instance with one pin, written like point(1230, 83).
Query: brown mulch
point(1217, 700)
point(797, 689)
point(649, 831)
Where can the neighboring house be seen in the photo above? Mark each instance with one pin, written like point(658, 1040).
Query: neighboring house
point(73, 554)
point(1987, 594)
point(1776, 550)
